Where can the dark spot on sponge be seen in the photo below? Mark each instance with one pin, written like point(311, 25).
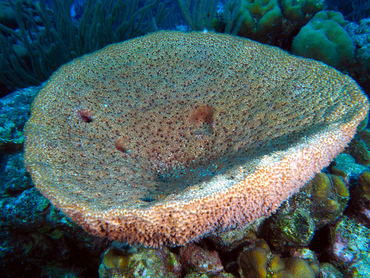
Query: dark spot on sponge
point(201, 115)
point(201, 119)
point(85, 115)
point(147, 199)
point(121, 144)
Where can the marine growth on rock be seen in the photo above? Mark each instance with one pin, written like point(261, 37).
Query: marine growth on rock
point(163, 139)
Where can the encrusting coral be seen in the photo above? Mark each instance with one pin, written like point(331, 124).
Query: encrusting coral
point(320, 202)
point(166, 138)
point(257, 261)
point(200, 260)
point(140, 262)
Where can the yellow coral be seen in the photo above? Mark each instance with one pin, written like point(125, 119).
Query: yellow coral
point(295, 268)
point(322, 187)
point(261, 19)
point(113, 258)
point(331, 192)
point(253, 261)
point(276, 264)
point(364, 181)
point(339, 186)
point(258, 262)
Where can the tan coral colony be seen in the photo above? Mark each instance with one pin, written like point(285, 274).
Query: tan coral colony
point(163, 139)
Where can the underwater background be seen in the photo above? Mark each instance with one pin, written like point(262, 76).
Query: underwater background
point(322, 231)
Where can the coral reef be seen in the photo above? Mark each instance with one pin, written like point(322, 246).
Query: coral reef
point(364, 181)
point(253, 261)
point(295, 15)
point(15, 178)
point(153, 153)
point(261, 20)
point(355, 158)
point(351, 248)
point(359, 205)
point(360, 68)
point(14, 111)
point(328, 270)
point(298, 11)
point(359, 151)
point(236, 238)
point(257, 261)
point(41, 239)
point(269, 21)
point(37, 239)
point(345, 165)
point(330, 195)
point(139, 262)
point(199, 260)
point(320, 202)
point(325, 39)
point(263, 132)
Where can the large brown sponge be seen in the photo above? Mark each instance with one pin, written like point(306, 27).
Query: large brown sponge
point(169, 137)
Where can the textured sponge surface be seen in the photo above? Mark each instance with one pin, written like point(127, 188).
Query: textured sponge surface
point(170, 136)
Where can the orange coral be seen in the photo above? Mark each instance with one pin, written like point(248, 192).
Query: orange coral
point(183, 134)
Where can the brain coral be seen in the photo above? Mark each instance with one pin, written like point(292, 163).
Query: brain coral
point(262, 20)
point(169, 137)
point(325, 39)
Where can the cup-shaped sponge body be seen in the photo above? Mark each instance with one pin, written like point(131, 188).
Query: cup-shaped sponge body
point(166, 138)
